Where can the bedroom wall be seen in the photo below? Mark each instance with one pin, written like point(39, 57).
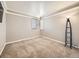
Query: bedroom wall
point(19, 27)
point(54, 25)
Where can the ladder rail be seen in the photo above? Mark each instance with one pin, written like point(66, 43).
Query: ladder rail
point(66, 33)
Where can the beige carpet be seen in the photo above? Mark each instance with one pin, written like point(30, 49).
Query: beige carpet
point(38, 48)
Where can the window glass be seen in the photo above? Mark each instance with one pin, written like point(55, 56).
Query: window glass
point(35, 23)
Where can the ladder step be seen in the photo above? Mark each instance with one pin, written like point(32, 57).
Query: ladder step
point(68, 38)
point(68, 42)
point(67, 27)
point(68, 32)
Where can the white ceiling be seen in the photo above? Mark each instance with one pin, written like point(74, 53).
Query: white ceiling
point(37, 8)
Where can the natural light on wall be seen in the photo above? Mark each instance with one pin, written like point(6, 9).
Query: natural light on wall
point(41, 11)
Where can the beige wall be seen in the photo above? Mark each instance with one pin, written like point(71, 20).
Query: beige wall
point(54, 26)
point(19, 27)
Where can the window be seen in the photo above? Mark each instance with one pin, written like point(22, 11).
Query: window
point(35, 23)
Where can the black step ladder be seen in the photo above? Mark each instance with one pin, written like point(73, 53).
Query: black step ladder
point(68, 33)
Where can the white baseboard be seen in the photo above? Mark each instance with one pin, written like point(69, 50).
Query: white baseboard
point(58, 41)
point(23, 39)
point(2, 48)
point(53, 39)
